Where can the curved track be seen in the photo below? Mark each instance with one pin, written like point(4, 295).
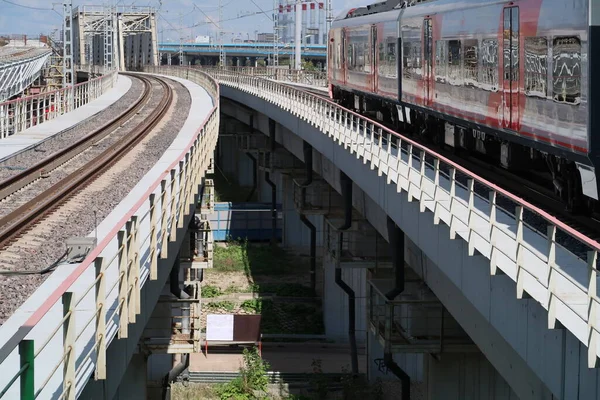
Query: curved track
point(24, 217)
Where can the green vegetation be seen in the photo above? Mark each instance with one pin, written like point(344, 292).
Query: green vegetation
point(209, 291)
point(254, 259)
point(228, 306)
point(252, 382)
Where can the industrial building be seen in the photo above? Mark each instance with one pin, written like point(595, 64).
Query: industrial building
point(314, 21)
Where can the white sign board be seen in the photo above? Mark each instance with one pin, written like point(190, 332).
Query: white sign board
point(219, 327)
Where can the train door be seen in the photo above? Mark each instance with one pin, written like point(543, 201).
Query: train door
point(510, 84)
point(344, 58)
point(374, 59)
point(427, 61)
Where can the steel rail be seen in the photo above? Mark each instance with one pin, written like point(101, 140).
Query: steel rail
point(21, 219)
point(19, 181)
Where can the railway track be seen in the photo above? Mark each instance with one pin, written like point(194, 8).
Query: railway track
point(21, 219)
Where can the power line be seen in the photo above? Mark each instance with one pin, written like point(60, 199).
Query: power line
point(29, 7)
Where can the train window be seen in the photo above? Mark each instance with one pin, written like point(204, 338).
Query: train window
point(440, 69)
point(454, 62)
point(471, 56)
point(411, 59)
point(536, 66)
point(350, 57)
point(566, 74)
point(387, 58)
point(488, 55)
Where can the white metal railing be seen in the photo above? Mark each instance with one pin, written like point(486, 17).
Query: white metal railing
point(97, 301)
point(301, 76)
point(20, 114)
point(491, 220)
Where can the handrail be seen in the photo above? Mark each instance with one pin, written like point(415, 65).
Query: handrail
point(153, 219)
point(409, 165)
point(22, 113)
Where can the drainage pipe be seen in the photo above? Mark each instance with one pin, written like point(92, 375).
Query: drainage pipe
point(254, 177)
point(308, 162)
point(347, 194)
point(272, 184)
point(313, 251)
point(173, 374)
point(396, 239)
point(178, 292)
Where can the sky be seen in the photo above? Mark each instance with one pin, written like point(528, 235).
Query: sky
point(34, 17)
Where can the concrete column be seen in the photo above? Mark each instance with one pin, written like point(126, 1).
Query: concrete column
point(133, 384)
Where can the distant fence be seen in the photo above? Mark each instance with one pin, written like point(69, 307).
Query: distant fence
point(252, 221)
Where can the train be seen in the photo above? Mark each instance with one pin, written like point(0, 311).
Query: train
point(508, 82)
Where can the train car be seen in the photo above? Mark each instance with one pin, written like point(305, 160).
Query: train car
point(505, 80)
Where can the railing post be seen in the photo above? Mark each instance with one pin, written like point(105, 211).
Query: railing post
point(153, 238)
point(592, 257)
point(183, 168)
point(470, 187)
point(27, 379)
point(173, 216)
point(137, 290)
point(551, 280)
point(123, 320)
point(421, 180)
point(69, 335)
point(436, 182)
point(100, 319)
point(164, 243)
point(409, 151)
point(493, 255)
point(518, 255)
point(452, 196)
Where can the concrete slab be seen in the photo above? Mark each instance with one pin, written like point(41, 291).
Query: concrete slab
point(37, 134)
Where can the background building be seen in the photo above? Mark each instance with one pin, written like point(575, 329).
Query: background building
point(314, 15)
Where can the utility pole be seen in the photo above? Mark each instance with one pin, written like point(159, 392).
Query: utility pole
point(298, 37)
point(68, 69)
point(222, 55)
point(275, 33)
point(180, 39)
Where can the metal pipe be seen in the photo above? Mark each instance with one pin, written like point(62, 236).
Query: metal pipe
point(313, 251)
point(254, 177)
point(308, 162)
point(176, 290)
point(173, 374)
point(298, 36)
point(272, 184)
point(389, 362)
point(347, 194)
point(396, 239)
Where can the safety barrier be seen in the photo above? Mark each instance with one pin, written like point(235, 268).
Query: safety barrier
point(20, 114)
point(102, 295)
point(301, 76)
point(492, 221)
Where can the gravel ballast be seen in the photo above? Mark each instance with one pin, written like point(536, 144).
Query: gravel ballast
point(20, 161)
point(45, 243)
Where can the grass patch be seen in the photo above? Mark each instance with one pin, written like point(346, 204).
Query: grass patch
point(301, 318)
point(193, 391)
point(254, 259)
point(227, 306)
point(209, 291)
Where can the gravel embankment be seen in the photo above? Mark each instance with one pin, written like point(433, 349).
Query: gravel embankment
point(13, 165)
point(79, 215)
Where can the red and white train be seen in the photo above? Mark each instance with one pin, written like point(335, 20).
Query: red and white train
point(509, 80)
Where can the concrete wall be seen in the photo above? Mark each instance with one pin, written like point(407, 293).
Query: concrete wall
point(133, 385)
point(296, 235)
point(536, 362)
